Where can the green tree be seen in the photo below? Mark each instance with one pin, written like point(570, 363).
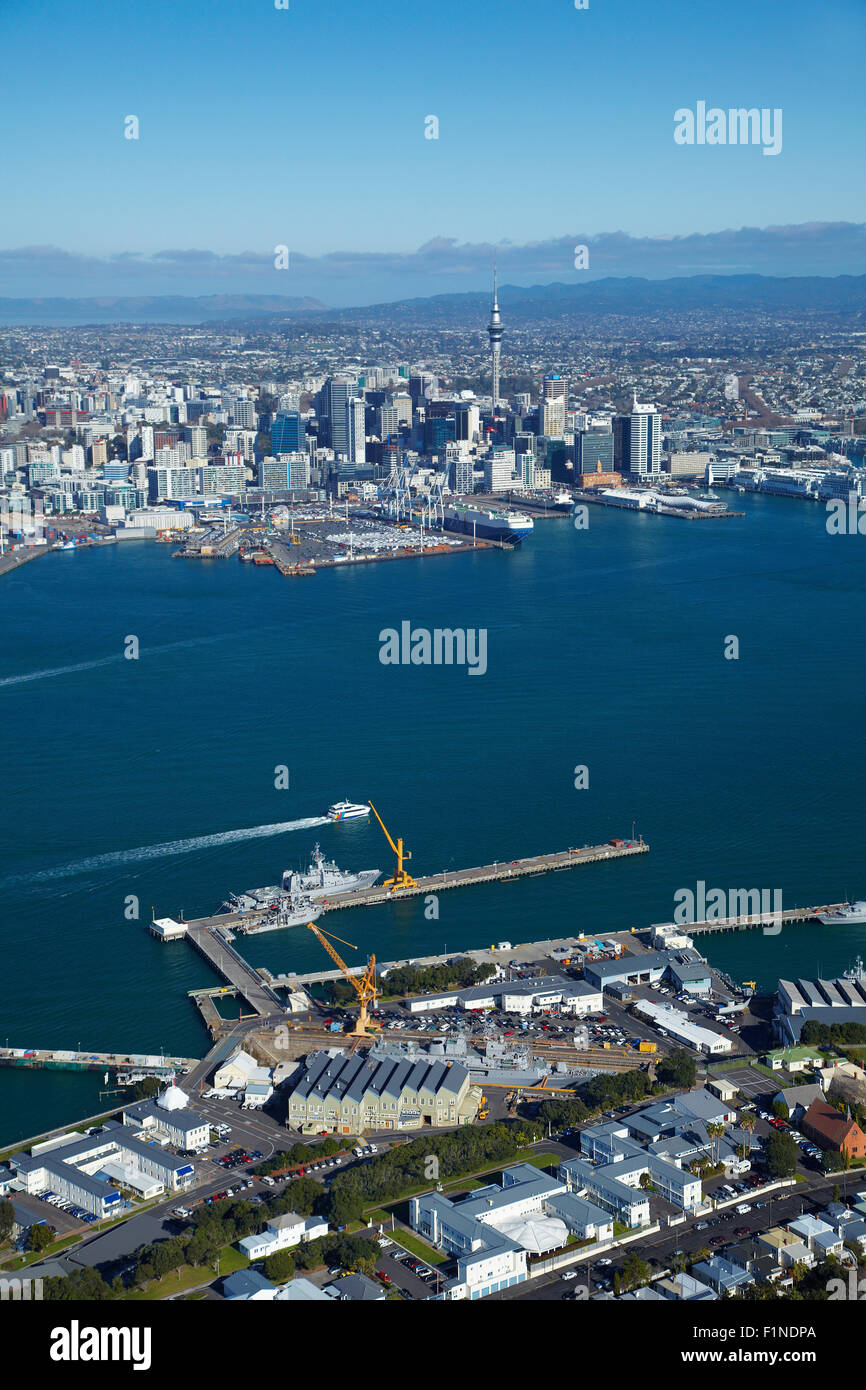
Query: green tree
point(148, 1087)
point(678, 1068)
point(304, 1195)
point(635, 1271)
point(781, 1154)
point(7, 1219)
point(780, 1110)
point(38, 1237)
point(279, 1267)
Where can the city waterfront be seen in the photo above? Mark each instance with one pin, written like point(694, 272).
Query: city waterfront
point(605, 649)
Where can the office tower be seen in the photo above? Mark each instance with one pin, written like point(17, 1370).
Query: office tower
point(244, 413)
point(288, 435)
point(196, 437)
point(494, 333)
point(590, 450)
point(115, 472)
point(553, 406)
point(402, 403)
point(438, 430)
point(422, 385)
point(333, 399)
point(389, 422)
point(467, 421)
point(464, 475)
point(646, 441)
point(356, 430)
point(621, 430)
point(499, 470)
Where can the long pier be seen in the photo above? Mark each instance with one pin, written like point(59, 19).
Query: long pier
point(766, 920)
point(66, 1060)
point(498, 872)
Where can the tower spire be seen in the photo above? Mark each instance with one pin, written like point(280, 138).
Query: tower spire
point(494, 332)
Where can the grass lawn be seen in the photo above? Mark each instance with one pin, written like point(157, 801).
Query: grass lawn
point(189, 1277)
point(420, 1248)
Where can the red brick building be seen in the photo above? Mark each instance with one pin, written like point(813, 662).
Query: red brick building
point(830, 1129)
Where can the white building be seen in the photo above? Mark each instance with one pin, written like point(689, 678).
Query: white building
point(646, 441)
point(283, 1233)
point(239, 1071)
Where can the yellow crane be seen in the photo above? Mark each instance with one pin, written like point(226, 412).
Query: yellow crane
point(363, 985)
point(401, 878)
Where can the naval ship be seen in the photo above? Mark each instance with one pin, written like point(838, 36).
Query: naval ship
point(298, 898)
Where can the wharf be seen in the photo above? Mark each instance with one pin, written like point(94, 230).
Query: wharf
point(65, 1060)
point(499, 871)
point(207, 936)
point(656, 511)
point(486, 873)
point(750, 921)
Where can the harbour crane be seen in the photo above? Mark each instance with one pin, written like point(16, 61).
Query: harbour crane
point(363, 985)
point(401, 879)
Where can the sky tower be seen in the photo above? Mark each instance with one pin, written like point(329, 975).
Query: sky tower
point(494, 333)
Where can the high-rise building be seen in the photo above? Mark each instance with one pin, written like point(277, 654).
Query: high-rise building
point(389, 422)
point(196, 437)
point(553, 406)
point(621, 430)
point(356, 430)
point(494, 333)
point(244, 413)
point(499, 469)
point(334, 398)
point(646, 441)
point(464, 476)
point(422, 385)
point(467, 421)
point(288, 435)
point(590, 450)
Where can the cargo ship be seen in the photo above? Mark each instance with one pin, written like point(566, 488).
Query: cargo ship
point(487, 524)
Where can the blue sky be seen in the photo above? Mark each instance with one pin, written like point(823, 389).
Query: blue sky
point(305, 127)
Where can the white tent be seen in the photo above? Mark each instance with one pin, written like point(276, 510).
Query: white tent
point(537, 1234)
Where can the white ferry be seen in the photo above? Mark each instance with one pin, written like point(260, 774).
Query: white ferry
point(347, 810)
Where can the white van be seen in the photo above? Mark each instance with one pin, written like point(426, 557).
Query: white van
point(743, 1208)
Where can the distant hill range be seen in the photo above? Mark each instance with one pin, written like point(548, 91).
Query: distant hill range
point(158, 308)
point(627, 296)
point(630, 295)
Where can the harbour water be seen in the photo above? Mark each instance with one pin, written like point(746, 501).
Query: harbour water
point(605, 648)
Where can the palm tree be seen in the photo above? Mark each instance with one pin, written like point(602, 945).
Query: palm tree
point(748, 1122)
point(715, 1130)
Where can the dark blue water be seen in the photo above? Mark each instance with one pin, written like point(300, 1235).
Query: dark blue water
point(605, 648)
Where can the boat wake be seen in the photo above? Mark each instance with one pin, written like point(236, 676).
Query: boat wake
point(146, 852)
point(50, 671)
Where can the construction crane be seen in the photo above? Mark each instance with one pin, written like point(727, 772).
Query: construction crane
point(363, 985)
point(401, 878)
